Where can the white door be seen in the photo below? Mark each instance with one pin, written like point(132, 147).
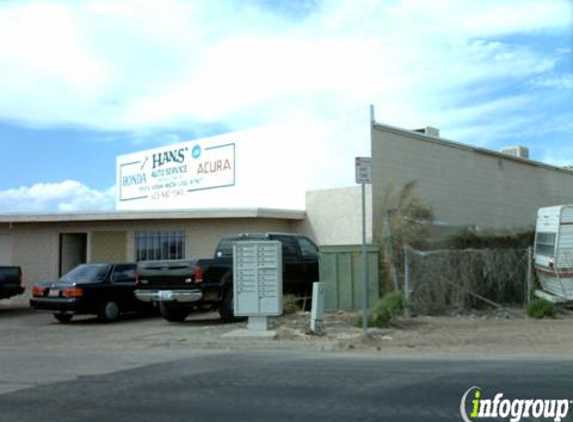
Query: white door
point(5, 249)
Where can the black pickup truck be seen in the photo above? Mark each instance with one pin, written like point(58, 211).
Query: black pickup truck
point(179, 286)
point(10, 282)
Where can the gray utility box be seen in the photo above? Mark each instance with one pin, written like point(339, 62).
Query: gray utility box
point(258, 278)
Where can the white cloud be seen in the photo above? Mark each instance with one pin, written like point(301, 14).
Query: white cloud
point(147, 65)
point(558, 158)
point(506, 17)
point(559, 82)
point(133, 64)
point(66, 196)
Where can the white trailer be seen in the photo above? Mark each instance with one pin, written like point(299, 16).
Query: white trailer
point(554, 253)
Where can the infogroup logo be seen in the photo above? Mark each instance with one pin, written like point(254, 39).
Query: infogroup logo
point(513, 410)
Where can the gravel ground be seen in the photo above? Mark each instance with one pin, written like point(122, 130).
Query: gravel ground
point(490, 333)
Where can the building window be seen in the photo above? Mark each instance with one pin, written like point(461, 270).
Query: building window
point(152, 245)
point(545, 244)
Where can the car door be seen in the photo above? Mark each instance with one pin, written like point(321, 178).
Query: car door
point(122, 284)
point(309, 258)
point(293, 273)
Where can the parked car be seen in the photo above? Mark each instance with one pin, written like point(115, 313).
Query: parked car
point(10, 282)
point(105, 290)
point(179, 286)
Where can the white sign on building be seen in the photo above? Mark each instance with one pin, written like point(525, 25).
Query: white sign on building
point(175, 171)
point(260, 168)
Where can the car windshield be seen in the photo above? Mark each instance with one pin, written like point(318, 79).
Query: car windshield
point(225, 248)
point(9, 273)
point(86, 273)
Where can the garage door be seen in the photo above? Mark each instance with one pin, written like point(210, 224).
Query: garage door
point(5, 249)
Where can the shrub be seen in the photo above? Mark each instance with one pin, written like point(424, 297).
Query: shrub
point(541, 308)
point(385, 310)
point(467, 238)
point(291, 304)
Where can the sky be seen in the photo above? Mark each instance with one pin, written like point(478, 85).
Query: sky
point(85, 81)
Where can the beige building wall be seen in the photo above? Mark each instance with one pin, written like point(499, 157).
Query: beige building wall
point(202, 236)
point(334, 216)
point(35, 246)
point(5, 248)
point(108, 246)
point(465, 185)
point(36, 250)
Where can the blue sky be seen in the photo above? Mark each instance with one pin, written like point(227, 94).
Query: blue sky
point(82, 82)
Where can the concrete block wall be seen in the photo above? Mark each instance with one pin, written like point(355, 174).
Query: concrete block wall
point(202, 237)
point(464, 185)
point(36, 250)
point(107, 246)
point(35, 246)
point(334, 216)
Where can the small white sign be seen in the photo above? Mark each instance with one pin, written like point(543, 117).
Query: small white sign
point(363, 170)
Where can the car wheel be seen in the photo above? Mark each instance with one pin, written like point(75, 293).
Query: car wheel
point(226, 307)
point(109, 311)
point(173, 313)
point(63, 317)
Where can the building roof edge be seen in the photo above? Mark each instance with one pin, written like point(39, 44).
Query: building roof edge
point(114, 215)
point(459, 145)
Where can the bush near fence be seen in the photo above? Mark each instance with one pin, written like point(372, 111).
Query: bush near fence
point(463, 264)
point(446, 281)
point(468, 238)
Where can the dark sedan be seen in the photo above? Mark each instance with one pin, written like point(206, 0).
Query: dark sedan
point(105, 290)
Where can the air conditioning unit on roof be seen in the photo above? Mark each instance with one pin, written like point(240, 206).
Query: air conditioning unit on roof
point(516, 151)
point(430, 131)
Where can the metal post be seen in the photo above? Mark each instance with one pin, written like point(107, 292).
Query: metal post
point(529, 274)
point(364, 266)
point(363, 176)
point(407, 281)
point(372, 116)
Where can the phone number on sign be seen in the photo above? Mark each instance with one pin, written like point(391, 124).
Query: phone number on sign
point(170, 193)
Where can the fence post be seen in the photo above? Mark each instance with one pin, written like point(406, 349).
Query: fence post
point(407, 280)
point(529, 274)
point(390, 253)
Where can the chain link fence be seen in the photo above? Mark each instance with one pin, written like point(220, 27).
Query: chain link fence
point(445, 281)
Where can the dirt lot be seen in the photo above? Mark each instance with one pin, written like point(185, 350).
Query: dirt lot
point(483, 334)
point(497, 333)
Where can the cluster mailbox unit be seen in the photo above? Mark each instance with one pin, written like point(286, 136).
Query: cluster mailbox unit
point(258, 281)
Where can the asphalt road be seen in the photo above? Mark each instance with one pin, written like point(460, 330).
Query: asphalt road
point(143, 369)
point(286, 386)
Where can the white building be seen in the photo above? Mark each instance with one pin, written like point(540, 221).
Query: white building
point(166, 211)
